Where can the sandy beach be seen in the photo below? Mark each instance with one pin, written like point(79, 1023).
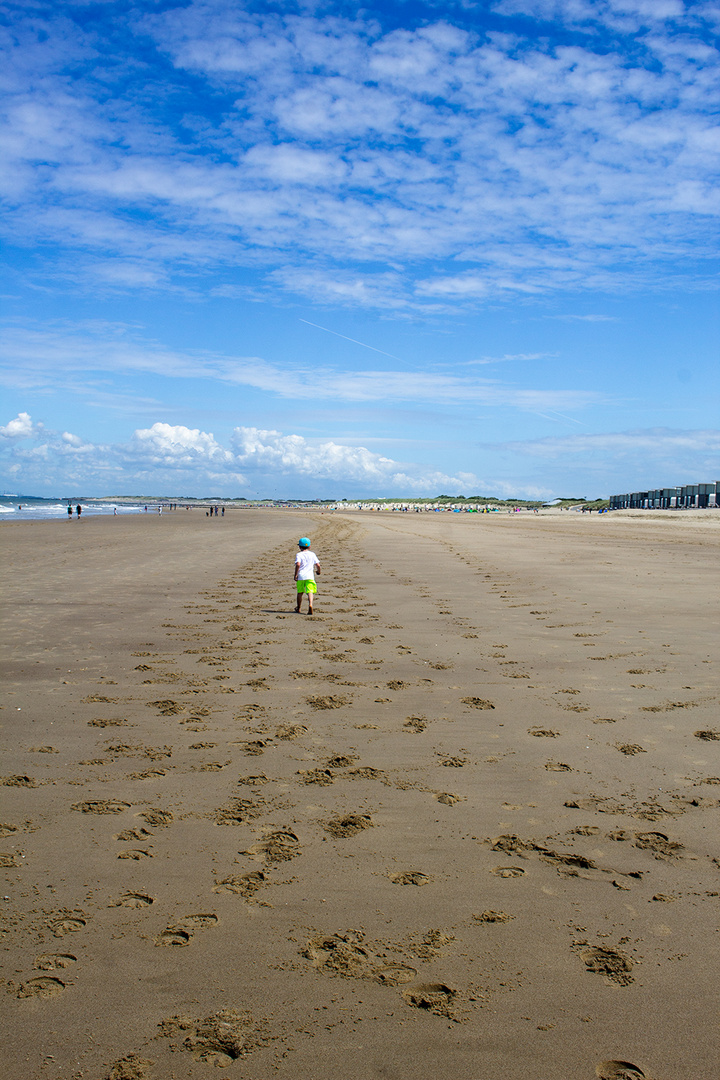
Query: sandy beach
point(461, 823)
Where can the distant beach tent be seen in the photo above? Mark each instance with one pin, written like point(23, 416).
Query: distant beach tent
point(687, 497)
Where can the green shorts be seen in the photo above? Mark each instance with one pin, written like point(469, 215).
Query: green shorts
point(306, 587)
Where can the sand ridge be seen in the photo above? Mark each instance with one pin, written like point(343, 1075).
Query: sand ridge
point(463, 819)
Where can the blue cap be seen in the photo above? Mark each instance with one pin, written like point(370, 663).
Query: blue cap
point(303, 542)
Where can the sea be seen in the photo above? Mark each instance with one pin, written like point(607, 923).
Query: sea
point(31, 508)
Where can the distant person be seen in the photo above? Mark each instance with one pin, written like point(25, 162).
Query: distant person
point(70, 512)
point(78, 510)
point(306, 567)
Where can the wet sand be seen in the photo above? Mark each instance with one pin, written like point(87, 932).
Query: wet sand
point(462, 823)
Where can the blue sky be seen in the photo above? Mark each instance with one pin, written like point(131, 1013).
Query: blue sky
point(311, 250)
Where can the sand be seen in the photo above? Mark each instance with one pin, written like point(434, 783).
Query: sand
point(462, 823)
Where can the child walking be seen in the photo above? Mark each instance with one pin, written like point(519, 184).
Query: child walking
point(306, 566)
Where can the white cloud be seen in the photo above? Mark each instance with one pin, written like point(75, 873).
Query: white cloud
point(174, 457)
point(51, 357)
point(485, 164)
point(625, 15)
point(273, 452)
point(175, 444)
point(657, 441)
point(21, 427)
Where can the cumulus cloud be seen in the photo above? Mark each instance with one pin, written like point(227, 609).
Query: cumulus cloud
point(21, 427)
point(292, 455)
point(166, 443)
point(191, 460)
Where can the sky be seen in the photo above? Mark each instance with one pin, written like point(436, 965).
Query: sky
point(317, 250)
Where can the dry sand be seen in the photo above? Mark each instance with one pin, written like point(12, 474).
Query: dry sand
point(462, 823)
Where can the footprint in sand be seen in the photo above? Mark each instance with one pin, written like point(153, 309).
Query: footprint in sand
point(416, 724)
point(410, 877)
point(611, 963)
point(43, 986)
point(131, 1067)
point(493, 917)
point(557, 766)
point(434, 997)
point(507, 871)
point(132, 834)
point(340, 954)
point(394, 974)
point(330, 701)
point(18, 781)
point(157, 817)
point(217, 1040)
point(348, 825)
point(256, 747)
point(279, 846)
point(477, 703)
point(66, 925)
point(134, 900)
point(323, 777)
point(202, 921)
point(618, 1070)
point(135, 853)
point(661, 845)
point(543, 733)
point(707, 736)
point(291, 731)
point(447, 799)
point(101, 806)
point(245, 885)
point(167, 707)
point(174, 936)
point(54, 961)
point(630, 749)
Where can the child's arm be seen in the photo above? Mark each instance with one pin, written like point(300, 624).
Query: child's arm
point(297, 568)
point(317, 568)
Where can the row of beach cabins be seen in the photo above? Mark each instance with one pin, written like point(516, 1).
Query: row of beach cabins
point(690, 496)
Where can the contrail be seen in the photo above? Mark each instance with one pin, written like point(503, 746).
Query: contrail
point(554, 417)
point(371, 347)
point(569, 418)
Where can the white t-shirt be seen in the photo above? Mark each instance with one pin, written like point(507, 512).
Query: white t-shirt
point(305, 561)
